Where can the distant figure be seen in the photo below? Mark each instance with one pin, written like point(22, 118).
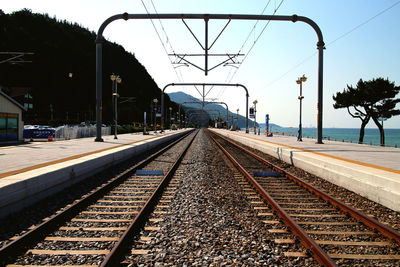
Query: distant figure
point(258, 131)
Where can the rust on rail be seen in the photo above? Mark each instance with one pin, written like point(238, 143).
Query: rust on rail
point(359, 216)
point(317, 252)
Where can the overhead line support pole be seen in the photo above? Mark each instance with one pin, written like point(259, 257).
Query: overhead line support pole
point(99, 88)
point(206, 45)
point(321, 47)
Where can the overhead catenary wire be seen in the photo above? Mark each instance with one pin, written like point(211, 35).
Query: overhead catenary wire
point(244, 43)
point(180, 78)
point(162, 27)
point(179, 73)
point(334, 41)
point(262, 31)
point(229, 76)
point(254, 27)
point(363, 23)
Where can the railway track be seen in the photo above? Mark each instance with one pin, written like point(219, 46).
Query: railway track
point(139, 247)
point(210, 221)
point(332, 232)
point(96, 229)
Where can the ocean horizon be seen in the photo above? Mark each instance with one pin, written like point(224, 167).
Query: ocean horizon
point(351, 135)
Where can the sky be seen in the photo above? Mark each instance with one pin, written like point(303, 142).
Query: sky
point(361, 36)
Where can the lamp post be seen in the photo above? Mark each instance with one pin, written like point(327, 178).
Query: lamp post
point(237, 118)
point(155, 100)
point(115, 79)
point(255, 117)
point(300, 81)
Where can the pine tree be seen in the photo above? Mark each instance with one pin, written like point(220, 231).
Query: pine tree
point(372, 99)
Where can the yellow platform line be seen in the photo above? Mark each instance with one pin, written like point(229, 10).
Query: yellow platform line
point(326, 155)
point(45, 164)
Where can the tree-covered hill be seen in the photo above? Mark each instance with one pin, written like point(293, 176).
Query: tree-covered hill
point(61, 76)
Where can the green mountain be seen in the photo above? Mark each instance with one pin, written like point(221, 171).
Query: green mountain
point(61, 75)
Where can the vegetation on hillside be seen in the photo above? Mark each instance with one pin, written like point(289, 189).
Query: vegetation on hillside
point(62, 73)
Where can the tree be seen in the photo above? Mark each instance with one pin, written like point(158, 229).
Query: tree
point(372, 99)
point(62, 48)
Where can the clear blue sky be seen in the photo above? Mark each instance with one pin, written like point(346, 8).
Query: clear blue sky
point(284, 51)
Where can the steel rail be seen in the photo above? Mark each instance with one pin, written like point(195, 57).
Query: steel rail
point(113, 258)
point(359, 216)
point(317, 252)
point(19, 245)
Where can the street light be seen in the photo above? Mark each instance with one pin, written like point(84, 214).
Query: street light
point(155, 100)
point(115, 79)
point(300, 81)
point(255, 118)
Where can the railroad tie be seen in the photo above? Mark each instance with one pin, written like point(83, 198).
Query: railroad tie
point(267, 174)
point(295, 254)
point(65, 252)
point(150, 172)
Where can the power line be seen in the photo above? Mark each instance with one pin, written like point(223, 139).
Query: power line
point(330, 43)
point(162, 43)
point(293, 68)
point(162, 27)
point(253, 29)
point(178, 72)
point(229, 79)
point(265, 26)
point(363, 23)
point(258, 37)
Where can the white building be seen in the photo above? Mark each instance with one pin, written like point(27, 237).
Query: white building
point(11, 124)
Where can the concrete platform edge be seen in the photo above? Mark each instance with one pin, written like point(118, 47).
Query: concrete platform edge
point(38, 184)
point(377, 185)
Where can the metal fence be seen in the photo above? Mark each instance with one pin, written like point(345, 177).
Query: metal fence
point(66, 132)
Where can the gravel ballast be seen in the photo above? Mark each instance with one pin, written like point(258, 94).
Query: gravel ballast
point(211, 221)
point(375, 210)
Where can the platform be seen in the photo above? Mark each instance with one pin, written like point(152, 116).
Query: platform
point(30, 172)
point(370, 171)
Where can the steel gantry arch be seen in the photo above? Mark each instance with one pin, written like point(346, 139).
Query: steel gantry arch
point(190, 112)
point(206, 18)
point(207, 103)
point(202, 113)
point(227, 111)
point(206, 84)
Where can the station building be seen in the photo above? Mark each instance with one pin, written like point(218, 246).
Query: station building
point(11, 124)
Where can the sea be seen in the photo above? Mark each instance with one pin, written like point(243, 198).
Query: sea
point(371, 135)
